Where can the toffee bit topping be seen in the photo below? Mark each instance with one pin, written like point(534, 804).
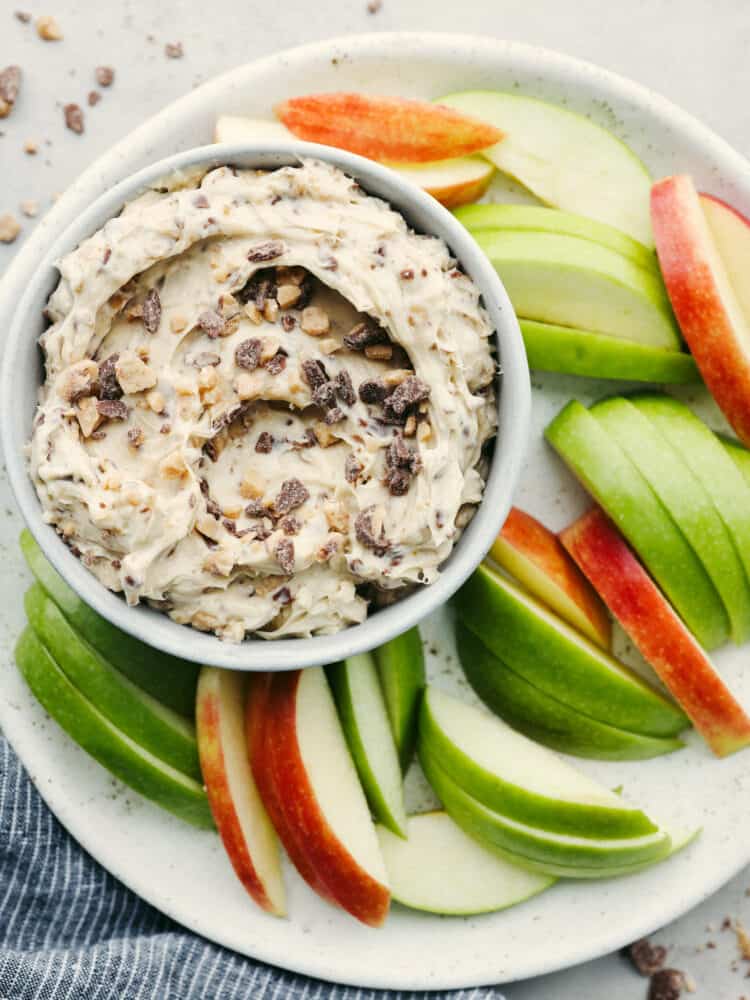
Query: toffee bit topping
point(283, 596)
point(667, 984)
point(400, 456)
point(406, 395)
point(352, 468)
point(368, 527)
point(212, 323)
point(135, 437)
point(112, 409)
point(646, 957)
point(264, 444)
point(206, 359)
point(372, 391)
point(308, 440)
point(74, 118)
point(314, 373)
point(290, 525)
point(210, 448)
point(213, 508)
point(324, 395)
point(276, 364)
point(335, 415)
point(315, 321)
point(288, 322)
point(293, 494)
point(256, 508)
point(284, 553)
point(345, 389)
point(363, 335)
point(247, 354)
point(407, 274)
point(398, 481)
point(152, 311)
point(268, 250)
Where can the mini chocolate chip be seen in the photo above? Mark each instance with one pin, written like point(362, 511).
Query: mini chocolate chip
point(152, 311)
point(213, 508)
point(264, 444)
point(269, 250)
point(247, 354)
point(407, 274)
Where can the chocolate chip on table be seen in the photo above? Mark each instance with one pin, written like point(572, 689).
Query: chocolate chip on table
point(152, 311)
point(74, 118)
point(264, 444)
point(293, 494)
point(247, 354)
point(646, 957)
point(667, 984)
point(372, 391)
point(112, 409)
point(284, 553)
point(212, 323)
point(104, 76)
point(268, 250)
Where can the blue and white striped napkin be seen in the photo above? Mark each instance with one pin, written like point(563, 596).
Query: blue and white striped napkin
point(70, 931)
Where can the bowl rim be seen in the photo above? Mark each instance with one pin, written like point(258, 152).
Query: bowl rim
point(514, 410)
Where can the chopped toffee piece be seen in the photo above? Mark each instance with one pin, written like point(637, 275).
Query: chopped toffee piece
point(152, 311)
point(667, 984)
point(269, 250)
point(212, 323)
point(293, 494)
point(365, 335)
point(345, 389)
point(112, 409)
point(646, 957)
point(247, 354)
point(372, 390)
point(370, 531)
point(284, 553)
point(264, 444)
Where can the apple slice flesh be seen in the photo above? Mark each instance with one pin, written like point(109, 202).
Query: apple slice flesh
point(552, 348)
point(731, 232)
point(572, 282)
point(364, 719)
point(94, 733)
point(320, 795)
point(386, 128)
point(658, 633)
point(156, 728)
point(551, 655)
point(566, 160)
point(534, 556)
point(536, 845)
point(547, 720)
point(739, 455)
point(706, 305)
point(439, 869)
point(400, 664)
point(170, 680)
point(242, 821)
point(514, 776)
point(452, 182)
point(686, 500)
point(615, 483)
point(539, 218)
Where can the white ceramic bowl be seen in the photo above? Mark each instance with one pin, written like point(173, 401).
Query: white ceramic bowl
point(23, 373)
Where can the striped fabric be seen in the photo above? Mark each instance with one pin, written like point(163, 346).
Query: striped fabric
point(70, 931)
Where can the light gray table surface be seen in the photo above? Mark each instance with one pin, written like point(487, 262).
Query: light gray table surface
point(696, 52)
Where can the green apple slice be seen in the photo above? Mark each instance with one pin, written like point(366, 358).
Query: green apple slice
point(539, 218)
point(439, 869)
point(564, 159)
point(364, 719)
point(689, 504)
point(702, 452)
point(138, 715)
point(512, 775)
point(115, 751)
point(612, 479)
point(169, 679)
point(680, 839)
point(572, 282)
point(552, 348)
point(556, 658)
point(400, 664)
point(739, 455)
point(533, 844)
point(545, 719)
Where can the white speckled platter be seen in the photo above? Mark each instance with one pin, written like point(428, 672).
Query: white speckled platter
point(184, 872)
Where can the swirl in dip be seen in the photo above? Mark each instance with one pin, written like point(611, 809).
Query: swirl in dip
point(266, 402)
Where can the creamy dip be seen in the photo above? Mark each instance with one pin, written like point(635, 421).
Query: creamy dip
point(266, 402)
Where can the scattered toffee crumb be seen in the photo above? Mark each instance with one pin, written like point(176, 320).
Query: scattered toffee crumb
point(212, 323)
point(268, 250)
point(667, 984)
point(174, 50)
point(308, 440)
point(293, 494)
point(109, 387)
point(646, 957)
point(152, 311)
point(22, 15)
point(247, 354)
point(74, 118)
point(48, 29)
point(104, 76)
point(10, 83)
point(10, 227)
point(264, 444)
point(93, 98)
point(284, 553)
point(112, 409)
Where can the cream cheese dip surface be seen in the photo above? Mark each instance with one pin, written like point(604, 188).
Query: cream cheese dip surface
point(265, 404)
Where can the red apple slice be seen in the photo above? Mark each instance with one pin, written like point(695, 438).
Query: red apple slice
point(386, 128)
point(256, 717)
point(657, 632)
point(453, 182)
point(731, 233)
point(536, 558)
point(242, 821)
point(706, 305)
point(320, 796)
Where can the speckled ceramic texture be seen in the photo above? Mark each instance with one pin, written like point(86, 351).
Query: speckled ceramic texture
point(184, 872)
point(22, 374)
